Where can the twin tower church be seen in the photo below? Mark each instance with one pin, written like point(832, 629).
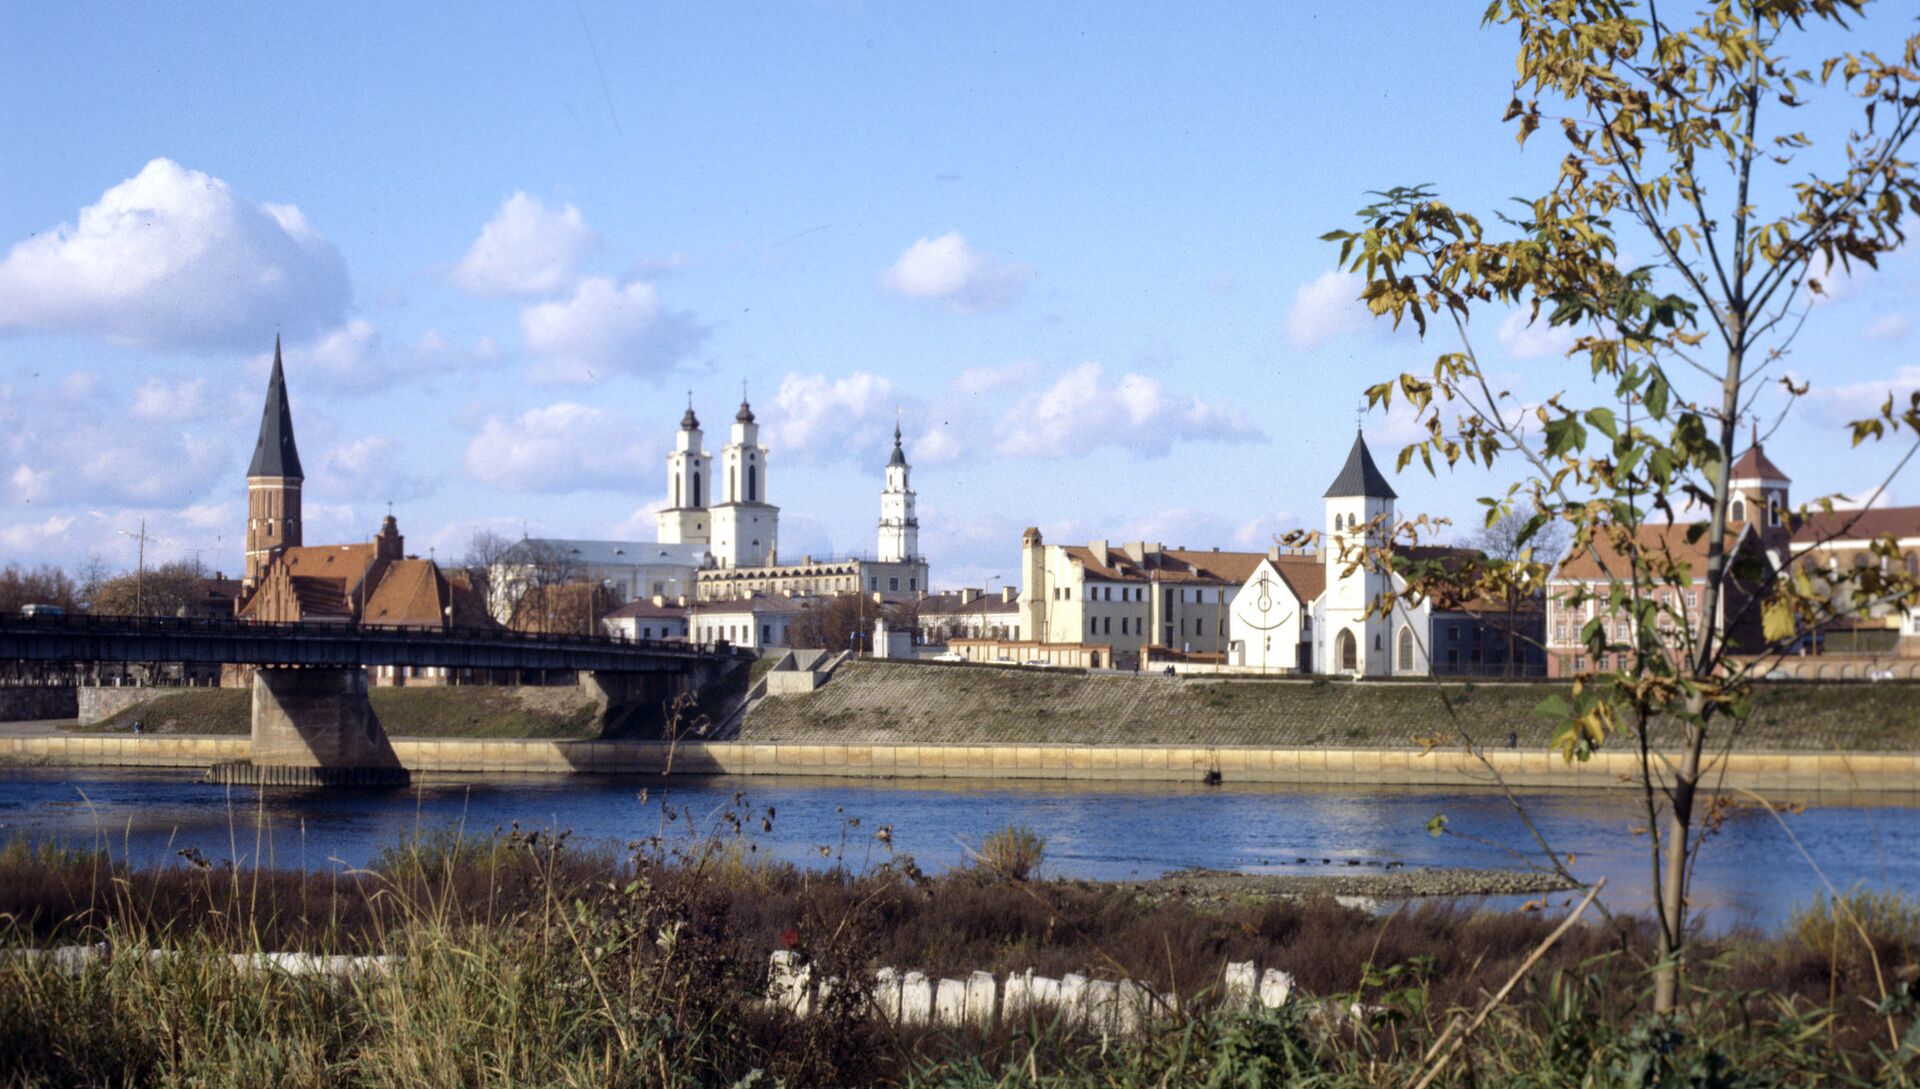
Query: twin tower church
point(718, 540)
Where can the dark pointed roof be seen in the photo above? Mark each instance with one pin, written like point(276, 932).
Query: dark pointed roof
point(745, 415)
point(275, 454)
point(1754, 465)
point(899, 457)
point(689, 422)
point(1360, 476)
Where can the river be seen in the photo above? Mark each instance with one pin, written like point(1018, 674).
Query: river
point(1751, 874)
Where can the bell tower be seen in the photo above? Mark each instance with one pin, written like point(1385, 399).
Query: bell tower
point(273, 480)
point(1350, 638)
point(685, 521)
point(746, 528)
point(899, 528)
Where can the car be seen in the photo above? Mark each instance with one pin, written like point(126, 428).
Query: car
point(42, 610)
point(1880, 675)
point(947, 656)
point(1040, 662)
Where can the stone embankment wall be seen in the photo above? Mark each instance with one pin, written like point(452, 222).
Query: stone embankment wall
point(875, 703)
point(1894, 774)
point(35, 704)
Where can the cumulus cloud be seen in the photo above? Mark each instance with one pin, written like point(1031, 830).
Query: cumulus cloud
point(1524, 340)
point(1083, 412)
point(173, 399)
point(604, 328)
point(174, 258)
point(355, 357)
point(367, 470)
point(1327, 307)
point(1858, 400)
point(949, 271)
point(526, 249)
point(68, 443)
point(562, 447)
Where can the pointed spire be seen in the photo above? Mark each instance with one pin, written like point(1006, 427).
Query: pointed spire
point(1360, 476)
point(899, 458)
point(274, 454)
point(689, 422)
point(745, 415)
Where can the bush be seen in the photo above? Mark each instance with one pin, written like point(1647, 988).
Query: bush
point(1832, 927)
point(1014, 852)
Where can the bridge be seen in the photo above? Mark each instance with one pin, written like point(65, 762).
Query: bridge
point(312, 723)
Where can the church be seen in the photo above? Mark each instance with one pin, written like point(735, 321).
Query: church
point(718, 538)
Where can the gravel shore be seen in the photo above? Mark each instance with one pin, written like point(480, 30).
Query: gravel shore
point(1396, 884)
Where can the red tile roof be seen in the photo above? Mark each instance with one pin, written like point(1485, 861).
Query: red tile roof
point(1821, 527)
point(1754, 465)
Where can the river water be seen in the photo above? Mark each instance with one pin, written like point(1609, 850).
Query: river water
point(1752, 873)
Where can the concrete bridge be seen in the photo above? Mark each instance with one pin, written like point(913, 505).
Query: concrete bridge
point(312, 724)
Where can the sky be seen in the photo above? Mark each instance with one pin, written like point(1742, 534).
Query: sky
point(1074, 247)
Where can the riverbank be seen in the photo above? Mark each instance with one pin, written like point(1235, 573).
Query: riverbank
point(482, 980)
point(476, 711)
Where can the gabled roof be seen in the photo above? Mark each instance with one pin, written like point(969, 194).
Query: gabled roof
point(1359, 476)
point(274, 453)
point(1753, 465)
point(646, 608)
point(407, 596)
point(1823, 527)
point(1169, 565)
point(1603, 562)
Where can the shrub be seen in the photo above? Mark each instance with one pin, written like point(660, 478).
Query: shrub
point(1891, 920)
point(1014, 852)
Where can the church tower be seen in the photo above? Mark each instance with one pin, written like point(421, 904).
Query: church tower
point(745, 525)
point(1359, 516)
point(899, 528)
point(685, 521)
point(273, 480)
point(1760, 495)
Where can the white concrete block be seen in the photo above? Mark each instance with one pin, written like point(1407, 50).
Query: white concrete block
point(916, 999)
point(980, 990)
point(1132, 1006)
point(886, 994)
point(1275, 987)
point(1072, 1002)
point(789, 983)
point(1045, 996)
point(1017, 997)
point(1099, 1004)
point(950, 1002)
point(1241, 984)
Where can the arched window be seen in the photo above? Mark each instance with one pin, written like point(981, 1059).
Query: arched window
point(1773, 510)
point(1348, 651)
point(1404, 655)
point(753, 484)
point(676, 490)
point(1739, 511)
point(696, 488)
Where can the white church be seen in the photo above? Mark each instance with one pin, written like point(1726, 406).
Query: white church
point(718, 539)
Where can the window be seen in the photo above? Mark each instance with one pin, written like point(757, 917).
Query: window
point(1738, 512)
point(893, 583)
point(1093, 625)
point(913, 583)
point(1123, 625)
point(696, 490)
point(766, 633)
point(1107, 627)
point(1348, 651)
point(753, 483)
point(1404, 652)
point(873, 582)
point(1773, 510)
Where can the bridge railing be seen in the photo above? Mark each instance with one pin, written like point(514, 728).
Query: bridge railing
point(94, 623)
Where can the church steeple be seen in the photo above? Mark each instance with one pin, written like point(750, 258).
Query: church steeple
point(275, 454)
point(273, 479)
point(899, 528)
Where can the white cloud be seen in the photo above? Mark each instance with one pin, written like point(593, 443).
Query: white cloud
point(1858, 400)
point(69, 443)
point(817, 417)
point(174, 258)
point(355, 358)
point(1522, 340)
point(172, 399)
point(562, 447)
point(1081, 413)
point(642, 524)
point(1888, 327)
point(1326, 308)
point(949, 271)
point(604, 329)
point(526, 249)
point(366, 470)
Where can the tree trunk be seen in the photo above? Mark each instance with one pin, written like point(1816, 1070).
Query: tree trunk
point(1673, 879)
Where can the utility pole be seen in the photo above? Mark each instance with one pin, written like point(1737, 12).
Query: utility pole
point(139, 569)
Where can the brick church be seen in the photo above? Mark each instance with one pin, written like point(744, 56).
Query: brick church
point(373, 582)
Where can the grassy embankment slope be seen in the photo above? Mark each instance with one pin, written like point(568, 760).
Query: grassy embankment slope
point(558, 712)
point(883, 702)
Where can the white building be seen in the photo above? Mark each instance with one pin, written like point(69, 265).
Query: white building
point(756, 622)
point(746, 528)
point(631, 570)
point(647, 619)
point(899, 527)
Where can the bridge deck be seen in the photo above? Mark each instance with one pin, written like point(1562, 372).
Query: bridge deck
point(341, 645)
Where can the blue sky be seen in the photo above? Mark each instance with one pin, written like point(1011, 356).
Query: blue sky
point(1075, 245)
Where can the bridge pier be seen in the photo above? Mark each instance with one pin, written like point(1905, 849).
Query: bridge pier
point(314, 727)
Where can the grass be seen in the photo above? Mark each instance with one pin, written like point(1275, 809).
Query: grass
point(527, 960)
point(458, 711)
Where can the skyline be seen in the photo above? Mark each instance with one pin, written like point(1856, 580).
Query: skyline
point(1076, 251)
